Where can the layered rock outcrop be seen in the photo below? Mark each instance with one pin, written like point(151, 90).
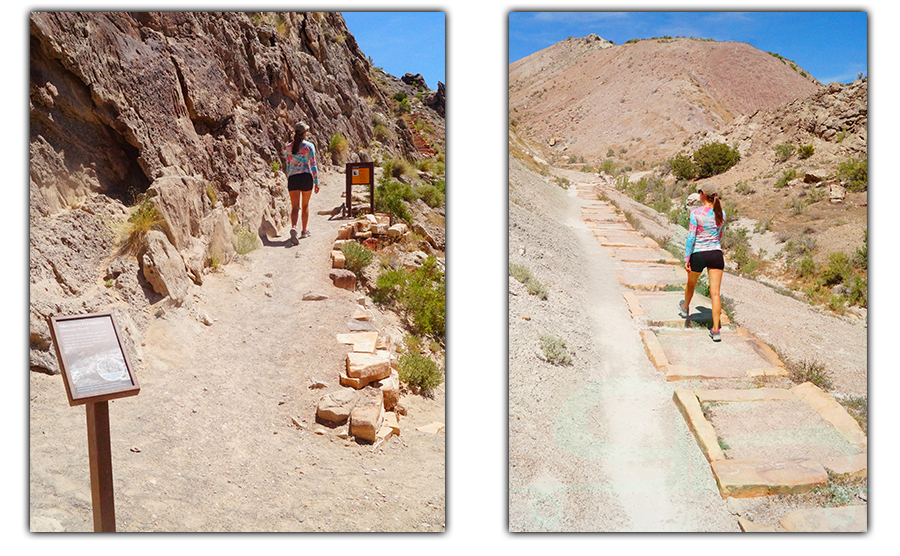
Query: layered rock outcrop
point(189, 112)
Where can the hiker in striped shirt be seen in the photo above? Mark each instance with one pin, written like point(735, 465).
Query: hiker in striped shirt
point(703, 250)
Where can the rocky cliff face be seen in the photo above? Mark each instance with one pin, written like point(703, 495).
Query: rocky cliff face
point(189, 112)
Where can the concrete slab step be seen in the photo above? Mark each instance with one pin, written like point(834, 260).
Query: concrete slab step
point(690, 354)
point(661, 309)
point(642, 255)
point(650, 276)
point(745, 478)
point(623, 238)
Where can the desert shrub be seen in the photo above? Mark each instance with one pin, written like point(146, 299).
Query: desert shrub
point(858, 408)
point(803, 244)
point(419, 295)
point(245, 240)
point(276, 166)
point(786, 176)
point(356, 256)
point(338, 145)
point(431, 195)
point(783, 151)
point(743, 188)
point(587, 169)
point(214, 196)
point(391, 197)
point(797, 205)
point(859, 290)
point(382, 133)
point(405, 108)
point(736, 242)
point(810, 371)
point(555, 350)
point(805, 267)
point(805, 151)
point(683, 167)
point(144, 218)
point(532, 285)
point(836, 271)
point(714, 159)
point(855, 173)
point(563, 182)
point(519, 272)
point(399, 96)
point(609, 167)
point(610, 153)
point(861, 256)
point(419, 371)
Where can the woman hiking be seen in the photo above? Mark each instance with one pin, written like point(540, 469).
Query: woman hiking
point(303, 176)
point(703, 250)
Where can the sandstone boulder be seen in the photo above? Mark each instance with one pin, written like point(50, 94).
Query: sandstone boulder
point(366, 419)
point(336, 406)
point(164, 269)
point(369, 366)
point(344, 279)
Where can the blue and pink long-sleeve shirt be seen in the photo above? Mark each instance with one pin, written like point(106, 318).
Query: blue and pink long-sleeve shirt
point(703, 234)
point(304, 162)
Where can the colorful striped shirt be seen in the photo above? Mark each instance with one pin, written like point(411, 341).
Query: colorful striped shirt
point(304, 162)
point(703, 234)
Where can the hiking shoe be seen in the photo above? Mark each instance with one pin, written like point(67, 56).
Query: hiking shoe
point(304, 233)
point(682, 310)
point(716, 335)
point(294, 239)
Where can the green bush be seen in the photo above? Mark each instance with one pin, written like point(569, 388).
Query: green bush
point(683, 167)
point(419, 295)
point(391, 198)
point(810, 371)
point(837, 271)
point(786, 176)
point(338, 145)
point(609, 167)
point(806, 151)
point(861, 257)
point(555, 350)
point(419, 371)
point(519, 272)
point(144, 218)
point(431, 195)
point(399, 96)
point(356, 256)
point(783, 151)
point(806, 267)
point(855, 173)
point(382, 133)
point(714, 159)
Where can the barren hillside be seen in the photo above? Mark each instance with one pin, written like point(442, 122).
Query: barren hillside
point(588, 96)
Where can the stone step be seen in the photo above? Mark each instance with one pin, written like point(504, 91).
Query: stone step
point(650, 276)
point(745, 478)
point(848, 519)
point(661, 309)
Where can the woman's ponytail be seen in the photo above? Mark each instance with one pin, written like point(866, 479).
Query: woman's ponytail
point(298, 139)
point(717, 208)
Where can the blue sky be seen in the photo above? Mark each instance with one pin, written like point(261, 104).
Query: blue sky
point(402, 42)
point(832, 46)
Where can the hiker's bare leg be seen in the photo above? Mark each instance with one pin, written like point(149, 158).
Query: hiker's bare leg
point(305, 206)
point(295, 206)
point(689, 288)
point(715, 285)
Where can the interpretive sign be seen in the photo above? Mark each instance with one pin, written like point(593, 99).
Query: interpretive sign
point(92, 358)
point(360, 173)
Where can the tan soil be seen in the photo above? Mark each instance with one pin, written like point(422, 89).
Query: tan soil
point(210, 442)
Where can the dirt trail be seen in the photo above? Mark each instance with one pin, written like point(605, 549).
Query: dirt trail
point(598, 445)
point(209, 443)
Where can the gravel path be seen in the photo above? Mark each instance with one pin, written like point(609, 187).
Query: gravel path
point(222, 436)
point(597, 445)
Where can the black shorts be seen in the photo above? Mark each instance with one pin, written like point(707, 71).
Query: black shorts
point(300, 182)
point(707, 259)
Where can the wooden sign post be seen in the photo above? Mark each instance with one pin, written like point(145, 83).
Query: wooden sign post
point(95, 369)
point(360, 173)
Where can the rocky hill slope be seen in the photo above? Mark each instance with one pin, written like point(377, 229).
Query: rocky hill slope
point(184, 117)
point(644, 98)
